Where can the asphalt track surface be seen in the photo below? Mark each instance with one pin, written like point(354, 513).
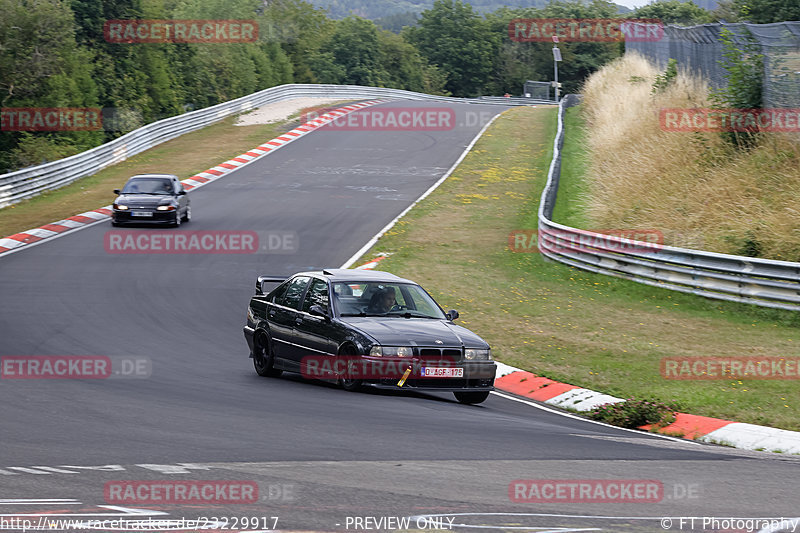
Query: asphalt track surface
point(321, 457)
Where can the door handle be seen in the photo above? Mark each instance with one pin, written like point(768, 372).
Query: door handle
point(298, 320)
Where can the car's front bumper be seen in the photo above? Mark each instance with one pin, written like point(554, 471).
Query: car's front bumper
point(154, 217)
point(478, 376)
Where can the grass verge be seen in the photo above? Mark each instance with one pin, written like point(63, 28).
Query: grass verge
point(585, 329)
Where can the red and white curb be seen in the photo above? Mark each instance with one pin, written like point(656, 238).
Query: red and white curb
point(691, 427)
point(372, 263)
point(18, 241)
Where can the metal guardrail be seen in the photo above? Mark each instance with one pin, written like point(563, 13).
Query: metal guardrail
point(735, 278)
point(29, 182)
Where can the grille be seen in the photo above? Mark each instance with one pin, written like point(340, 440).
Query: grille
point(435, 354)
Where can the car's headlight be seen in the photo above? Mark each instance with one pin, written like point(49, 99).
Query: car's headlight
point(120, 207)
point(391, 351)
point(165, 208)
point(477, 354)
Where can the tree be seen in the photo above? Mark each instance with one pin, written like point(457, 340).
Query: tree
point(352, 55)
point(406, 68)
point(43, 66)
point(459, 42)
point(300, 29)
point(767, 11)
point(517, 62)
point(673, 12)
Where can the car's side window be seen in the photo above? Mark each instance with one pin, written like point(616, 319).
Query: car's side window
point(279, 293)
point(317, 295)
point(294, 292)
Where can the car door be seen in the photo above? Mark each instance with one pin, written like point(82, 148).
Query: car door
point(313, 332)
point(180, 194)
point(282, 315)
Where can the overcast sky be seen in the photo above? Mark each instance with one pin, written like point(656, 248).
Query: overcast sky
point(631, 3)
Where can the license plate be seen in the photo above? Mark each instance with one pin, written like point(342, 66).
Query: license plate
point(141, 214)
point(441, 372)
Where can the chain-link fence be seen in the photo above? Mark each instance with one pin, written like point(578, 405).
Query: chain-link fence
point(538, 89)
point(699, 49)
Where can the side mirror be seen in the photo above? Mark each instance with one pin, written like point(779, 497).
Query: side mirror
point(318, 310)
point(181, 192)
point(452, 315)
point(116, 191)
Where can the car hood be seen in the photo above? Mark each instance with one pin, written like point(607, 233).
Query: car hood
point(415, 332)
point(143, 200)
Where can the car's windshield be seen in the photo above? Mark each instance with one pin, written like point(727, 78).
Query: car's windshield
point(361, 298)
point(148, 186)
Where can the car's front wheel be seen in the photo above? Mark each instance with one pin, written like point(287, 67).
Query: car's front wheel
point(263, 359)
point(187, 216)
point(347, 381)
point(471, 397)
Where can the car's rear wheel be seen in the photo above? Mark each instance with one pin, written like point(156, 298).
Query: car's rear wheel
point(471, 397)
point(263, 359)
point(347, 381)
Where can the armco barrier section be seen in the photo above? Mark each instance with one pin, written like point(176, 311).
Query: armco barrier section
point(735, 278)
point(29, 182)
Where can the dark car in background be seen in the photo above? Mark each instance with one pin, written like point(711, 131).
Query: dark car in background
point(151, 199)
point(365, 328)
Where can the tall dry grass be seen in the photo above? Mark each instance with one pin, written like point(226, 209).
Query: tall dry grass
point(694, 187)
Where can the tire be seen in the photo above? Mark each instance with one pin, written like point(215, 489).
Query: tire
point(350, 385)
point(177, 222)
point(263, 359)
point(471, 398)
point(115, 224)
point(187, 216)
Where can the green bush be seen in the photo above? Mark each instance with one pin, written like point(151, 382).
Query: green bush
point(633, 413)
point(663, 81)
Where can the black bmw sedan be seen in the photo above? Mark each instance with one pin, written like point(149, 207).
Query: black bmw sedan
point(151, 198)
point(365, 328)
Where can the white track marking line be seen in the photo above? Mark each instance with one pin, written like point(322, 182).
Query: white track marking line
point(25, 501)
point(54, 469)
point(28, 470)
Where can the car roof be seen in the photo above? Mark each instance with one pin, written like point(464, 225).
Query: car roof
point(168, 176)
point(349, 274)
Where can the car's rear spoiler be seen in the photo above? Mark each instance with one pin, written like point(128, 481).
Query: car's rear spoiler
point(267, 279)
